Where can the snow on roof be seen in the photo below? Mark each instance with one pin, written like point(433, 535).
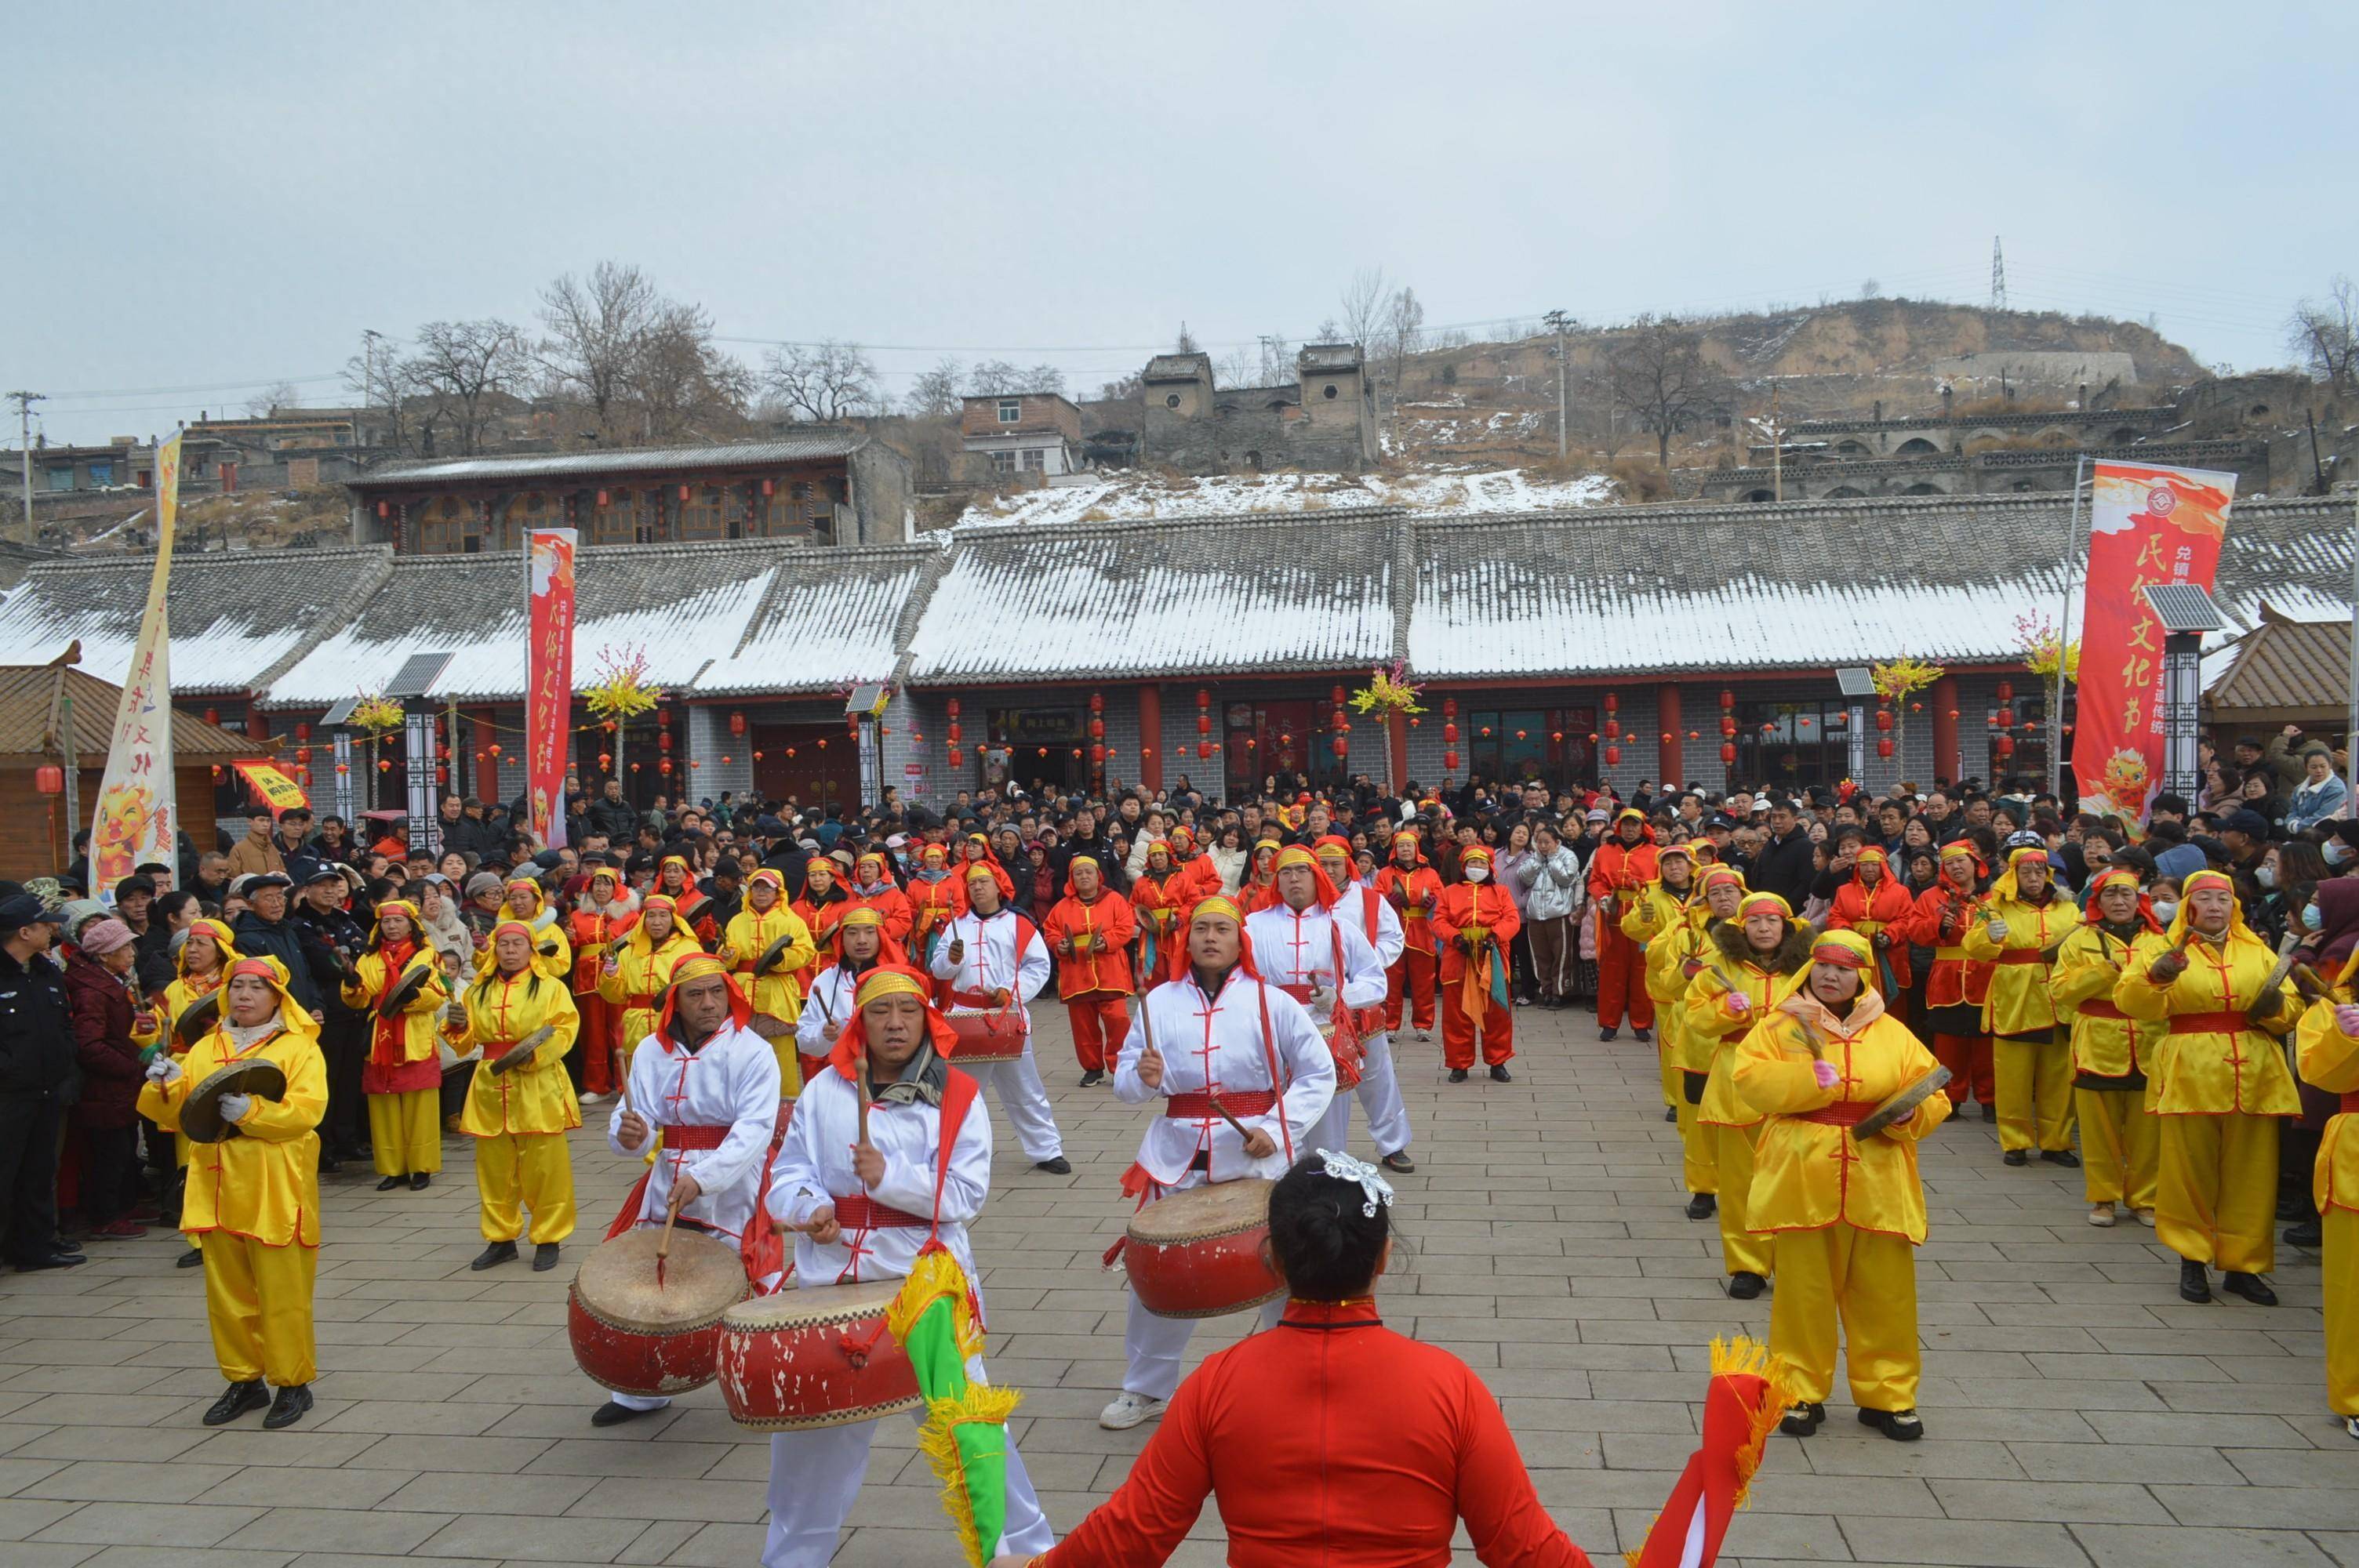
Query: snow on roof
point(1127, 600)
point(830, 442)
point(235, 614)
point(1120, 495)
point(830, 619)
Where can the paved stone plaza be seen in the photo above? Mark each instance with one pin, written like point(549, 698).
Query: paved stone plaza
point(2077, 1412)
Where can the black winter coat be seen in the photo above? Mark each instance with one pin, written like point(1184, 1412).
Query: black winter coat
point(37, 1045)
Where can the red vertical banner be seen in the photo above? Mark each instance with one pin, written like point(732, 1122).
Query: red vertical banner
point(2147, 526)
point(548, 678)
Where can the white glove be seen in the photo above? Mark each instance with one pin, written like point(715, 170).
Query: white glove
point(2346, 1019)
point(1825, 1073)
point(165, 1069)
point(1997, 929)
point(234, 1106)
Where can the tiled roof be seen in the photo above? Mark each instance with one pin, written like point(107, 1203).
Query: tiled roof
point(29, 711)
point(1328, 356)
point(585, 466)
point(1176, 367)
point(829, 618)
point(2286, 665)
point(237, 616)
point(1307, 592)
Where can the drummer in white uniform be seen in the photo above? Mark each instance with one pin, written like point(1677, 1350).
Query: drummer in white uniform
point(1219, 1029)
point(1298, 943)
point(863, 1210)
point(993, 959)
point(710, 1086)
point(1378, 1090)
point(827, 1006)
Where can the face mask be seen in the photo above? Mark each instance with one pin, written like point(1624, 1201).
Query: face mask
point(2336, 851)
point(2165, 910)
point(2310, 918)
point(2266, 876)
point(1478, 874)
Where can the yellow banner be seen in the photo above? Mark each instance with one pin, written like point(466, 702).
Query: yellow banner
point(136, 816)
point(281, 792)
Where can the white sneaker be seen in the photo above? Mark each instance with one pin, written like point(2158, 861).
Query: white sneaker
point(2145, 1216)
point(2351, 1425)
point(591, 1099)
point(2101, 1215)
point(1128, 1410)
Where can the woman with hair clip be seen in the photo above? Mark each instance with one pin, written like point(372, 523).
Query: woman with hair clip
point(1329, 1439)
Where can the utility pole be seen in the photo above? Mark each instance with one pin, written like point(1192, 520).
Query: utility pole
point(24, 400)
point(1776, 447)
point(1557, 321)
point(1998, 275)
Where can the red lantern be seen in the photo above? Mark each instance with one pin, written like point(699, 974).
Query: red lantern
point(2006, 691)
point(1097, 702)
point(1203, 698)
point(663, 715)
point(1450, 762)
point(1450, 734)
point(1806, 718)
point(343, 768)
point(606, 762)
point(1884, 745)
point(952, 708)
point(725, 758)
point(1727, 725)
point(954, 734)
point(1557, 736)
point(495, 748)
point(1486, 731)
point(664, 767)
point(2005, 746)
point(1613, 756)
point(1614, 729)
point(213, 715)
point(302, 732)
point(696, 761)
point(1449, 707)
point(1043, 751)
point(303, 777)
point(385, 765)
point(1883, 719)
point(663, 740)
point(1335, 697)
point(2004, 718)
point(1613, 703)
point(1727, 697)
point(50, 779)
point(1520, 734)
point(736, 722)
point(1203, 751)
point(757, 756)
point(822, 742)
point(1728, 752)
point(790, 751)
point(1097, 729)
point(1204, 724)
point(1342, 746)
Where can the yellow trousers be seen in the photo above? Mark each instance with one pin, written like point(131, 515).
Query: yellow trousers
point(1740, 1249)
point(2118, 1146)
point(1668, 1056)
point(405, 1132)
point(2029, 1071)
point(513, 1171)
point(2215, 1197)
point(1697, 1163)
point(1865, 1280)
point(2339, 1266)
point(791, 1064)
point(259, 1301)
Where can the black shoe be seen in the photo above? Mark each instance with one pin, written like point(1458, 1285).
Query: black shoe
point(2311, 1233)
point(288, 1406)
point(2249, 1286)
point(1643, 1036)
point(194, 1257)
point(1703, 1206)
point(235, 1400)
point(1745, 1285)
point(612, 1414)
point(420, 1179)
point(58, 1260)
point(1901, 1426)
point(390, 1183)
point(1059, 1166)
point(544, 1258)
point(2014, 1157)
point(2064, 1157)
point(1990, 1113)
point(1093, 1079)
point(329, 1166)
point(1499, 1074)
point(494, 1255)
point(1457, 1075)
point(1803, 1419)
point(1608, 1034)
point(1670, 1113)
point(2193, 1284)
point(1398, 1162)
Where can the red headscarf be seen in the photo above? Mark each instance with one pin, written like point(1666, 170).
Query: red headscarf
point(887, 979)
point(696, 965)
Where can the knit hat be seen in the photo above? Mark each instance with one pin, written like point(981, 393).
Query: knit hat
point(101, 938)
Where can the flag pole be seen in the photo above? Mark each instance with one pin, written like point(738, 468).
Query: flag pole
point(2063, 635)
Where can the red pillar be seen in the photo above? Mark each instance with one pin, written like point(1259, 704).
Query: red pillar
point(1947, 763)
point(1150, 736)
point(258, 724)
point(487, 772)
point(1396, 741)
point(1670, 766)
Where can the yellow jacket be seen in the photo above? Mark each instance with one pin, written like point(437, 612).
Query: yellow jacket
point(1809, 1175)
point(1711, 1027)
point(2210, 1071)
point(1663, 922)
point(641, 969)
point(2106, 1043)
point(537, 1098)
point(2330, 1061)
point(420, 1032)
point(265, 1182)
point(778, 993)
point(2018, 1002)
point(179, 997)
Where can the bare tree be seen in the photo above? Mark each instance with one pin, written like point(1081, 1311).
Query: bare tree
point(1276, 359)
point(1401, 331)
point(1658, 374)
point(1044, 378)
point(374, 376)
point(825, 382)
point(2324, 336)
point(598, 327)
point(1115, 391)
point(1363, 300)
point(1186, 343)
point(682, 383)
point(270, 399)
point(461, 364)
point(935, 393)
point(993, 378)
point(1234, 369)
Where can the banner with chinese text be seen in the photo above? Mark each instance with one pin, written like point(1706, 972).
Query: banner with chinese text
point(136, 816)
point(2147, 526)
point(548, 676)
point(270, 781)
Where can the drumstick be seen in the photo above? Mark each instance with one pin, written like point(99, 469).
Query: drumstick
point(1232, 1120)
point(663, 1243)
point(862, 1063)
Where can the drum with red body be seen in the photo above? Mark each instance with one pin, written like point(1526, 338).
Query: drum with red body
point(1339, 1026)
point(815, 1358)
point(987, 1035)
point(1197, 1253)
point(634, 1336)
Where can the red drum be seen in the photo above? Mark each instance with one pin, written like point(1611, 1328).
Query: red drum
point(815, 1358)
point(1338, 1027)
point(1197, 1253)
point(987, 1035)
point(635, 1338)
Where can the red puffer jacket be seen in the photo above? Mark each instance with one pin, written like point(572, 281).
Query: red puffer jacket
point(111, 1072)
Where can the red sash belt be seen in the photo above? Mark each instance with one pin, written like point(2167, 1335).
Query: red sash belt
point(1240, 1102)
point(2351, 1103)
point(1843, 1113)
point(858, 1212)
point(2019, 956)
point(644, 1000)
point(2210, 1024)
point(983, 999)
point(2097, 1007)
point(692, 1136)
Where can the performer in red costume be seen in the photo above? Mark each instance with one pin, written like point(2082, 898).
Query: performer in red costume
point(1618, 874)
point(1412, 887)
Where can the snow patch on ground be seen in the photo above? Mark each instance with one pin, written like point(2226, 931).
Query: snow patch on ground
point(1132, 495)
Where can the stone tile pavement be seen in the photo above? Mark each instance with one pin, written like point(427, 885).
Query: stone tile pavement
point(2080, 1415)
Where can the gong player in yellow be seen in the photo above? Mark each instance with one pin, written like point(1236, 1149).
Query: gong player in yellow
point(2328, 1039)
point(520, 1119)
point(253, 1199)
point(1846, 1213)
point(633, 978)
point(776, 991)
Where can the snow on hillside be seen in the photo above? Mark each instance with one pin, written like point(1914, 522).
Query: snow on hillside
point(1127, 495)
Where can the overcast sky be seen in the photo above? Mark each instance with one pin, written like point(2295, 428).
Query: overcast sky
point(207, 201)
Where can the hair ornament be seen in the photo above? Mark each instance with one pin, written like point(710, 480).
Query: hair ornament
point(1372, 1183)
